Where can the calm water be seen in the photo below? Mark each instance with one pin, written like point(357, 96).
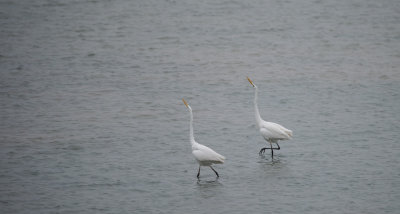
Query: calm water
point(92, 119)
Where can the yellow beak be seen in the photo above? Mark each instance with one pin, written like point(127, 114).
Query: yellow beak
point(251, 82)
point(184, 101)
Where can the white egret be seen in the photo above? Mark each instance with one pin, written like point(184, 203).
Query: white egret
point(272, 132)
point(203, 154)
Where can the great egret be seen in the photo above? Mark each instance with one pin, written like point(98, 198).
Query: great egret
point(204, 155)
point(272, 132)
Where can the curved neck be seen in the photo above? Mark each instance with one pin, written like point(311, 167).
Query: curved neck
point(257, 112)
point(191, 127)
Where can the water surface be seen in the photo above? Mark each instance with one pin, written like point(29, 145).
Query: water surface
point(92, 119)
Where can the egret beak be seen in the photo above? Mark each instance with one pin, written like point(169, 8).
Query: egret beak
point(184, 101)
point(251, 82)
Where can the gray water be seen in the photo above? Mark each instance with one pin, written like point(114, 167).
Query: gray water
point(92, 119)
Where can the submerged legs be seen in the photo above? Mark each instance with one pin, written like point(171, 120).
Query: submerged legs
point(198, 173)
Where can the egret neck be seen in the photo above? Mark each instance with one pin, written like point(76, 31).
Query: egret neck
point(191, 127)
point(257, 112)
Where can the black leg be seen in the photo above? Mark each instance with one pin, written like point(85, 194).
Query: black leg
point(214, 171)
point(262, 151)
point(198, 173)
point(272, 151)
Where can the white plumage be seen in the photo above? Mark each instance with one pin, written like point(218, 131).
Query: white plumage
point(274, 131)
point(204, 155)
point(271, 132)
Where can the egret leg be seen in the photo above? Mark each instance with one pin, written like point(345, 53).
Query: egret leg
point(272, 152)
point(263, 149)
point(272, 149)
point(198, 173)
point(214, 171)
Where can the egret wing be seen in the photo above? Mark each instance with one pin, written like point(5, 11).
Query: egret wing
point(205, 154)
point(271, 130)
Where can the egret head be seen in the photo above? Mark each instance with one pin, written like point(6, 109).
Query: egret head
point(251, 82)
point(186, 104)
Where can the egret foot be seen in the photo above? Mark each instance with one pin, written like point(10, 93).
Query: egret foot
point(262, 151)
